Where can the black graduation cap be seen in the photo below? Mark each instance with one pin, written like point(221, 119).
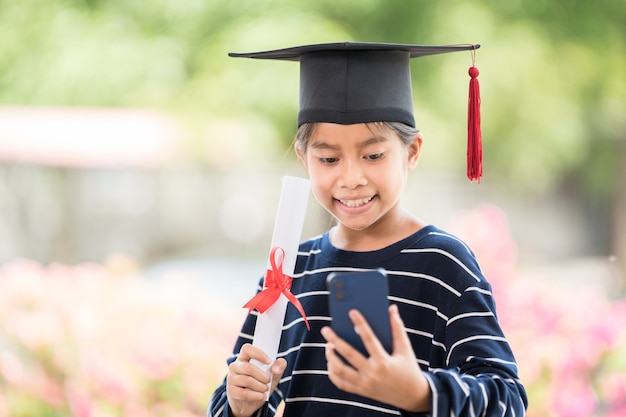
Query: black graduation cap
point(356, 82)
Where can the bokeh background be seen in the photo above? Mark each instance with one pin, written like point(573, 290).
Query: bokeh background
point(140, 171)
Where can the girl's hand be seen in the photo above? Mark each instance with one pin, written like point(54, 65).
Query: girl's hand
point(247, 384)
point(394, 379)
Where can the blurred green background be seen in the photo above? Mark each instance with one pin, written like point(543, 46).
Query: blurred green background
point(130, 140)
point(192, 132)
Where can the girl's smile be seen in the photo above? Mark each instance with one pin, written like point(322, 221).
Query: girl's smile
point(356, 206)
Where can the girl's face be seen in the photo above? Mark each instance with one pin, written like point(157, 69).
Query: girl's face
point(358, 173)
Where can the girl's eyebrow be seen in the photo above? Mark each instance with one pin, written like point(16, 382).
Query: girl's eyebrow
point(373, 140)
point(370, 141)
point(324, 145)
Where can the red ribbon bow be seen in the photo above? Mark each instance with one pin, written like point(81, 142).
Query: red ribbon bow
point(275, 283)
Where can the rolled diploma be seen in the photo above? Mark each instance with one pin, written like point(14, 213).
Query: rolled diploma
point(287, 231)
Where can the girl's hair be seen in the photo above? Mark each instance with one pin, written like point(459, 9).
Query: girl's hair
point(405, 132)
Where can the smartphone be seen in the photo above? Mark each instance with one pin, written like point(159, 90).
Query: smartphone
point(365, 291)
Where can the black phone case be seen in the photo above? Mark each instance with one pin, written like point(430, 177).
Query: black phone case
point(365, 291)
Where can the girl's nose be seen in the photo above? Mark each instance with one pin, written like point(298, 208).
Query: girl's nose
point(352, 175)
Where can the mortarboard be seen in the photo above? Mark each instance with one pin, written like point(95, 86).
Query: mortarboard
point(356, 82)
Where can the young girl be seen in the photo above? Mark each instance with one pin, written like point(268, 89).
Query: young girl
point(358, 142)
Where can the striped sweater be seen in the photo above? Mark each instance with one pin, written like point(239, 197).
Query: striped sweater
point(449, 314)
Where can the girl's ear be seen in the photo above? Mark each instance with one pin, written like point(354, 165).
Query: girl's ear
point(415, 148)
point(301, 156)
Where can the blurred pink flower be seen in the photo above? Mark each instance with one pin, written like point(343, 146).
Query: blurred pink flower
point(573, 397)
point(85, 341)
point(95, 340)
point(485, 230)
point(613, 389)
point(566, 339)
point(11, 368)
point(79, 402)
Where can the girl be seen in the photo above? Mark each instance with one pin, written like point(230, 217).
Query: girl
point(358, 143)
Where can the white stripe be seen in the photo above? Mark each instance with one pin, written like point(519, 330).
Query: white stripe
point(439, 344)
point(344, 402)
point(460, 383)
point(311, 252)
point(300, 346)
point(418, 304)
point(245, 336)
point(310, 372)
point(423, 362)
point(219, 411)
point(485, 399)
point(482, 290)
point(284, 379)
point(301, 319)
point(419, 333)
point(453, 238)
point(503, 407)
point(311, 294)
point(482, 389)
point(509, 381)
point(330, 269)
point(474, 314)
point(448, 254)
point(434, 394)
point(412, 302)
point(471, 338)
point(426, 277)
point(496, 360)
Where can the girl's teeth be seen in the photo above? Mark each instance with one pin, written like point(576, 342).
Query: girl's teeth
point(356, 203)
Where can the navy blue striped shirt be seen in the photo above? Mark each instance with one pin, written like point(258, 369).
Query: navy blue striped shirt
point(449, 314)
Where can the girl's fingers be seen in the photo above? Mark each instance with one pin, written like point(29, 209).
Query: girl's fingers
point(370, 340)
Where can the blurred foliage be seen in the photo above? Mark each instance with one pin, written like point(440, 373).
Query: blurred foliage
point(552, 73)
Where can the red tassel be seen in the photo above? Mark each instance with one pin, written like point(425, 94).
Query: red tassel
point(474, 135)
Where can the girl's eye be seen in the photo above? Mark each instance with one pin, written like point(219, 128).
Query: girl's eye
point(375, 156)
point(328, 161)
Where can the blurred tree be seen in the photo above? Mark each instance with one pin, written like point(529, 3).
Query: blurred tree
point(553, 85)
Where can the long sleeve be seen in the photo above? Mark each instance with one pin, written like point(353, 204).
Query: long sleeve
point(480, 373)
